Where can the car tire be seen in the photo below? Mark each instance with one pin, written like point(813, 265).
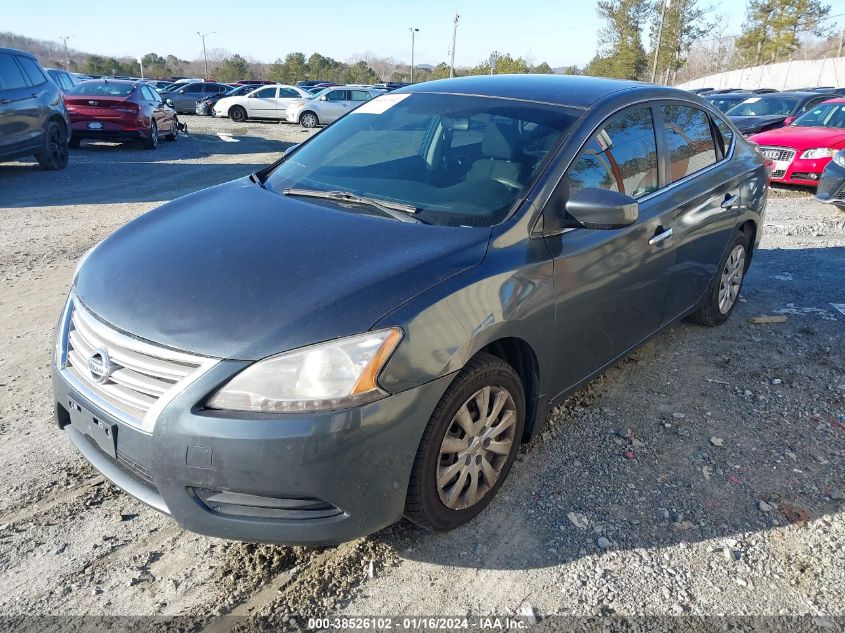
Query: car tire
point(74, 142)
point(308, 119)
point(56, 150)
point(450, 485)
point(151, 142)
point(237, 114)
point(173, 135)
point(723, 293)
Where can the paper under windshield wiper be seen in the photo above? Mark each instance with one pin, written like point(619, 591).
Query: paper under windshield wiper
point(395, 210)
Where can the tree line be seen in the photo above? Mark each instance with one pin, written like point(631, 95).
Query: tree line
point(682, 31)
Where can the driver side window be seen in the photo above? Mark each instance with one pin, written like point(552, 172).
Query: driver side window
point(622, 156)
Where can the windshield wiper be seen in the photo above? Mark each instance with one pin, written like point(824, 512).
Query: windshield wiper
point(397, 210)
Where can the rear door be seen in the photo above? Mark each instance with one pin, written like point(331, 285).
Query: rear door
point(705, 196)
point(610, 285)
point(20, 124)
point(262, 104)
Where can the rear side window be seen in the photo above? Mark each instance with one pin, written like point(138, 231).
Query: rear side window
point(359, 95)
point(621, 157)
point(11, 76)
point(690, 140)
point(288, 93)
point(33, 71)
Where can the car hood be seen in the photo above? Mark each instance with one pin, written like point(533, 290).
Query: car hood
point(236, 271)
point(749, 124)
point(802, 137)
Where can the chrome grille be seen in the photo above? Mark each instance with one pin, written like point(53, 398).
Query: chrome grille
point(778, 153)
point(142, 377)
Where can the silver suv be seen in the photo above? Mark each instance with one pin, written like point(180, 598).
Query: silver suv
point(329, 105)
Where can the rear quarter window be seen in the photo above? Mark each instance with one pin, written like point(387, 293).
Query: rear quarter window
point(11, 76)
point(33, 71)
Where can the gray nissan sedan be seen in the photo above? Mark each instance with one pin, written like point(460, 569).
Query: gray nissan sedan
point(371, 326)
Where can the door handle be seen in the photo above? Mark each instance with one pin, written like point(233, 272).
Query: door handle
point(729, 201)
point(660, 236)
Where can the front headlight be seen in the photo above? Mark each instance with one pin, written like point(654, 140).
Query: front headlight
point(322, 377)
point(819, 152)
point(839, 158)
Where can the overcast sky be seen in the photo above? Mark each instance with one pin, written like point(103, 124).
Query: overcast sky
point(560, 32)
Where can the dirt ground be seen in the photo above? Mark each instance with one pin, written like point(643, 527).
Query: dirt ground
point(702, 475)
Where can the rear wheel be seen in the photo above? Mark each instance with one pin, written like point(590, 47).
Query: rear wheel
point(237, 114)
point(151, 142)
point(173, 135)
point(722, 295)
point(469, 445)
point(56, 148)
point(308, 119)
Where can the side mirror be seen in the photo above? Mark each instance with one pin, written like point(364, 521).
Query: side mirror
point(290, 149)
point(602, 209)
point(789, 120)
point(169, 102)
point(323, 98)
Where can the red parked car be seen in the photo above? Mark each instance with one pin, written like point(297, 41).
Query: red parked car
point(117, 110)
point(801, 150)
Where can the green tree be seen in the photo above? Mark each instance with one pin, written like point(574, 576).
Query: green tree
point(232, 69)
point(542, 69)
point(622, 55)
point(441, 71)
point(684, 23)
point(772, 28)
point(359, 73)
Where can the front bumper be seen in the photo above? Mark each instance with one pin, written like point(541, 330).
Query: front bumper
point(310, 479)
point(801, 171)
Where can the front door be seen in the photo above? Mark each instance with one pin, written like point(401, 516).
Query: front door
point(334, 105)
point(262, 103)
point(610, 285)
point(20, 125)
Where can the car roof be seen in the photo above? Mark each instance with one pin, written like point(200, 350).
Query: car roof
point(113, 81)
point(16, 51)
point(790, 93)
point(565, 90)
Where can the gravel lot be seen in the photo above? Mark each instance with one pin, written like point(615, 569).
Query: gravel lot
point(703, 475)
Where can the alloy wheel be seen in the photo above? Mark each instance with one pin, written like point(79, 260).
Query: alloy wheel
point(731, 278)
point(57, 145)
point(476, 447)
point(308, 120)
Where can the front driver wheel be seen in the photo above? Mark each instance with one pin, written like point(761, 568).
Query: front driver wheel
point(237, 114)
point(308, 119)
point(722, 294)
point(469, 445)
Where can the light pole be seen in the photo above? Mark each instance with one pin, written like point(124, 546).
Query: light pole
point(454, 36)
point(413, 31)
point(67, 60)
point(204, 54)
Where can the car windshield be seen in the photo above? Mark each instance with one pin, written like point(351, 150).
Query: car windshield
point(824, 115)
point(763, 106)
point(458, 160)
point(725, 103)
point(103, 89)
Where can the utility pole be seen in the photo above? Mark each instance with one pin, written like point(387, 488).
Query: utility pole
point(841, 41)
point(141, 64)
point(67, 59)
point(204, 54)
point(413, 32)
point(494, 57)
point(659, 37)
point(454, 36)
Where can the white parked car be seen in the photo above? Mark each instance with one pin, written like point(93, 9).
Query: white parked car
point(265, 102)
point(328, 105)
